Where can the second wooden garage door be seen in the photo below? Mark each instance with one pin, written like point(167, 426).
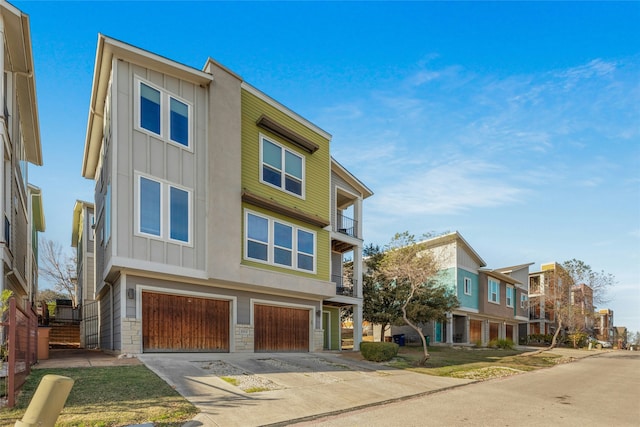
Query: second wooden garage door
point(173, 323)
point(280, 329)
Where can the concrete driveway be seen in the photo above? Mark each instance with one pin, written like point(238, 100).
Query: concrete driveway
point(277, 388)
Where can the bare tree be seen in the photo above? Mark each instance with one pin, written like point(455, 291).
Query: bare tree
point(413, 270)
point(560, 295)
point(58, 269)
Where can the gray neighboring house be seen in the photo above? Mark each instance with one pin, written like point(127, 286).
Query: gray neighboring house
point(83, 241)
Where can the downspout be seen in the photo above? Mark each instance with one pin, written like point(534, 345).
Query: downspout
point(2, 172)
point(110, 308)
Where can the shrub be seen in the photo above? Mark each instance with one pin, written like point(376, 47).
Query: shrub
point(379, 351)
point(505, 344)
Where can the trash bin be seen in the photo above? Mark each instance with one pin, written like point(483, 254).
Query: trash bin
point(399, 339)
point(43, 342)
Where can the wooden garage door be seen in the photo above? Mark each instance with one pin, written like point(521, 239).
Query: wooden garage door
point(475, 331)
point(184, 324)
point(280, 328)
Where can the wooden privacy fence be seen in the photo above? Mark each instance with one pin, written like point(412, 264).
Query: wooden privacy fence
point(19, 344)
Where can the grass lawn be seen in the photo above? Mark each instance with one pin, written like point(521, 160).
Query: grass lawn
point(471, 362)
point(109, 396)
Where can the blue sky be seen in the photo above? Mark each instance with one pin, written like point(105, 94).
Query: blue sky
point(517, 124)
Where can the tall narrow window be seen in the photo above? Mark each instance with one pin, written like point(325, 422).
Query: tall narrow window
point(150, 207)
point(283, 244)
point(467, 286)
point(293, 176)
point(179, 120)
point(150, 108)
point(305, 250)
point(272, 163)
point(257, 237)
point(179, 214)
point(509, 297)
point(107, 213)
point(494, 291)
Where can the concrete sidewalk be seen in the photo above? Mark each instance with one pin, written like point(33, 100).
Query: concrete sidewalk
point(302, 385)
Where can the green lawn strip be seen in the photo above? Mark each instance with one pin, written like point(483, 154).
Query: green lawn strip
point(110, 396)
point(472, 363)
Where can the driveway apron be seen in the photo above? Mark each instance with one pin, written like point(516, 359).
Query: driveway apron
point(269, 388)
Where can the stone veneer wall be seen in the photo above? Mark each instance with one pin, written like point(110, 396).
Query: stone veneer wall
point(131, 336)
point(244, 339)
point(318, 339)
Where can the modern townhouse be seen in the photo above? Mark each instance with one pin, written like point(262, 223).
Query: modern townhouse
point(541, 285)
point(218, 213)
point(604, 327)
point(83, 241)
point(491, 304)
point(20, 202)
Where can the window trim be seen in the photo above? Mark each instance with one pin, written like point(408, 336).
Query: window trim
point(523, 299)
point(283, 173)
point(509, 298)
point(467, 289)
point(271, 246)
point(490, 291)
point(165, 210)
point(165, 114)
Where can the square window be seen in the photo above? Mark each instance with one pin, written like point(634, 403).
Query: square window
point(149, 108)
point(281, 167)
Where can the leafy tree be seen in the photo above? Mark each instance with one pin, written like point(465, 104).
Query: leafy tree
point(412, 269)
point(380, 304)
point(58, 269)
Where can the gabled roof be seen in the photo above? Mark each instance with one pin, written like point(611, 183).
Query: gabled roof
point(107, 49)
point(75, 225)
point(343, 173)
point(507, 270)
point(498, 275)
point(457, 237)
point(18, 45)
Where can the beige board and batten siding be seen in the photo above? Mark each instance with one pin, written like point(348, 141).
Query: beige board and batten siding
point(139, 152)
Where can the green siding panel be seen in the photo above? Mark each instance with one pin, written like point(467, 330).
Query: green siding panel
point(317, 165)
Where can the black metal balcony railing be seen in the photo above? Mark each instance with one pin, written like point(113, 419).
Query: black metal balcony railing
point(343, 286)
point(346, 225)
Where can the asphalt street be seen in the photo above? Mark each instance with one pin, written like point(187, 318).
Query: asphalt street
point(600, 390)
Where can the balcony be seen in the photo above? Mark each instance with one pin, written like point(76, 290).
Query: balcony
point(7, 232)
point(346, 225)
point(344, 285)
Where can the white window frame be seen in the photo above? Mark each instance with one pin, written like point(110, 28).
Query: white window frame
point(510, 292)
point(490, 285)
point(467, 285)
point(165, 119)
point(523, 300)
point(165, 210)
point(271, 243)
point(284, 149)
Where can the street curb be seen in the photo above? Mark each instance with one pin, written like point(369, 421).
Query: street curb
point(365, 406)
